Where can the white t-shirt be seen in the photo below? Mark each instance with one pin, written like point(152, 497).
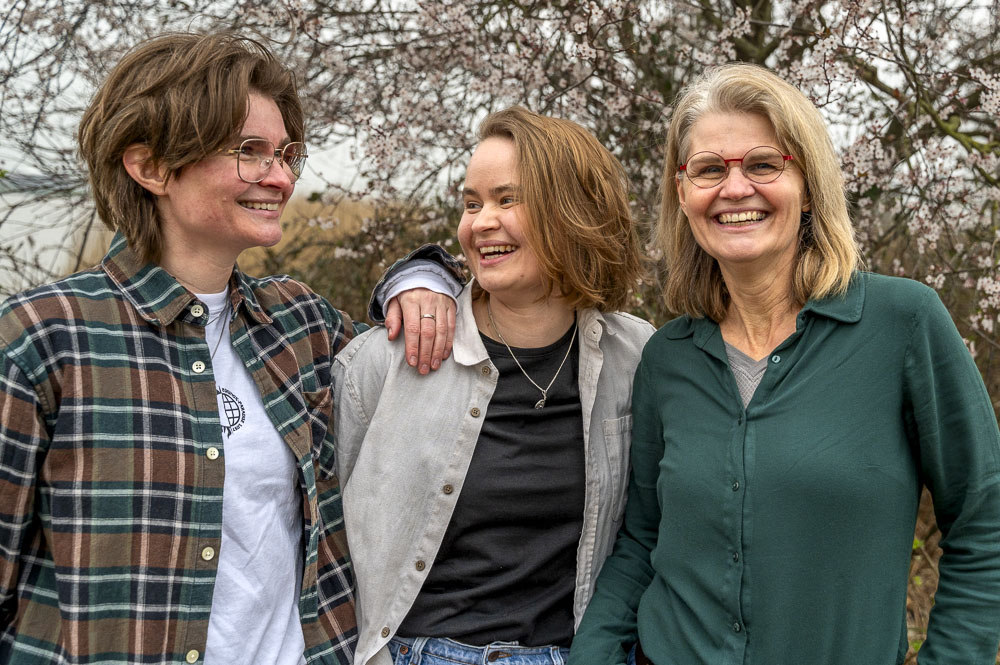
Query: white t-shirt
point(255, 615)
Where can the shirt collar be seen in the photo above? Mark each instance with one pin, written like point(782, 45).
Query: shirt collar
point(157, 296)
point(846, 308)
point(468, 348)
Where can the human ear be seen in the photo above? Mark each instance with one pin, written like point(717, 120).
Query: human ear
point(680, 194)
point(138, 161)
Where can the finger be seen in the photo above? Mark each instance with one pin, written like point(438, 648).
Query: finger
point(441, 348)
point(393, 318)
point(428, 332)
point(411, 326)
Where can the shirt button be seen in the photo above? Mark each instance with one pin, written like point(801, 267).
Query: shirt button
point(447, 489)
point(737, 627)
point(198, 367)
point(736, 486)
point(776, 358)
point(486, 370)
point(192, 656)
point(474, 412)
point(208, 554)
point(212, 453)
point(385, 631)
point(197, 310)
point(736, 557)
point(421, 565)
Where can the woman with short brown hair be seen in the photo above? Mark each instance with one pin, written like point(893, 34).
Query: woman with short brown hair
point(167, 488)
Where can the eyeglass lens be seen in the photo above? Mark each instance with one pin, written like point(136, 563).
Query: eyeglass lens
point(761, 165)
point(255, 157)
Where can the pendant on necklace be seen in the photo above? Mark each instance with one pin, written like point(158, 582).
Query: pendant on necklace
point(540, 403)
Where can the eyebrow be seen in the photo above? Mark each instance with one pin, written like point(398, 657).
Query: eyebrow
point(243, 137)
point(496, 191)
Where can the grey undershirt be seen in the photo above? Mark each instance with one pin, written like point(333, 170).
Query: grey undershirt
point(747, 371)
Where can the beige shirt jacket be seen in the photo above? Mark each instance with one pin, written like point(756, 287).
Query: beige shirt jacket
point(404, 443)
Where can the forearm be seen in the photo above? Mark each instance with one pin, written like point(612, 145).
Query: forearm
point(610, 624)
point(964, 625)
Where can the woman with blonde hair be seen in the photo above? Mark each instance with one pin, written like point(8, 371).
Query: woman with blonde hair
point(786, 422)
point(481, 501)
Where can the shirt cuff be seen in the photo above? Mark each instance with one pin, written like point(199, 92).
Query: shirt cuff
point(429, 261)
point(418, 274)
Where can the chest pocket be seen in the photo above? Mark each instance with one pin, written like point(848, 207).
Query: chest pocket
point(617, 441)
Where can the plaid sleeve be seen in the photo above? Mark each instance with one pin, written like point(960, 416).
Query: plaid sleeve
point(23, 440)
point(430, 252)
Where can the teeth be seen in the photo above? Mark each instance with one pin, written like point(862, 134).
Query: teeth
point(255, 205)
point(738, 217)
point(496, 249)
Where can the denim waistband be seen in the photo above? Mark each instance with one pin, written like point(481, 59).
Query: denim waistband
point(414, 649)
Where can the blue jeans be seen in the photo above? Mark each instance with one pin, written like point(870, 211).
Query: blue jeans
point(444, 651)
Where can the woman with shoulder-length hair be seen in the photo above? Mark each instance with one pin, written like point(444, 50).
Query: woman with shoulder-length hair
point(481, 502)
point(167, 489)
point(786, 422)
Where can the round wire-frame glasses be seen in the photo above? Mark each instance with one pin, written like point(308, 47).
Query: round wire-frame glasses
point(762, 164)
point(255, 157)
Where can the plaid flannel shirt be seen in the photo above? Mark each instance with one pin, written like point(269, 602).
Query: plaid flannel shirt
point(110, 467)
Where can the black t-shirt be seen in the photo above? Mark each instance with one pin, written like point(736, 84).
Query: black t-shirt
point(506, 569)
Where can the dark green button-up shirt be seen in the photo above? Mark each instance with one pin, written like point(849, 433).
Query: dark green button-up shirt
point(781, 533)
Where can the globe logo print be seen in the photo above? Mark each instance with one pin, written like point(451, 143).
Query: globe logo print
point(231, 411)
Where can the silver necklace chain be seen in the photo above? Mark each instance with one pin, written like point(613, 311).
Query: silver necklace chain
point(222, 332)
point(545, 391)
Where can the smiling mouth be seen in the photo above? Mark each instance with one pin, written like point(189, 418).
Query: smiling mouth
point(258, 205)
point(741, 218)
point(495, 251)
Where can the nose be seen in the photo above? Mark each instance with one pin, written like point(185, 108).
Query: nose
point(278, 176)
point(487, 219)
point(736, 185)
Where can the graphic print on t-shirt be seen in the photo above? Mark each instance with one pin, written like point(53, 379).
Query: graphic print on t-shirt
point(232, 412)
